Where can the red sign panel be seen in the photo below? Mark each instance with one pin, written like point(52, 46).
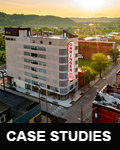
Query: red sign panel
point(71, 61)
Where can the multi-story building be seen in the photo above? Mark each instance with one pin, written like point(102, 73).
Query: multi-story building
point(48, 61)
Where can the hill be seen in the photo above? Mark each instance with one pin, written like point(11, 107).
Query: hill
point(97, 20)
point(31, 20)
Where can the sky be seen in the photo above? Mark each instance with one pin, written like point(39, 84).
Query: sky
point(63, 8)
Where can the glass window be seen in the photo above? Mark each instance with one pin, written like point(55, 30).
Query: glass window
point(34, 55)
point(63, 76)
point(26, 60)
point(34, 62)
point(42, 78)
point(27, 67)
point(27, 74)
point(35, 82)
point(34, 76)
point(27, 46)
point(63, 83)
point(27, 80)
point(27, 86)
point(42, 56)
point(62, 51)
point(63, 68)
point(34, 47)
point(42, 48)
point(42, 71)
point(42, 63)
point(63, 60)
point(35, 89)
point(27, 53)
point(63, 91)
point(34, 69)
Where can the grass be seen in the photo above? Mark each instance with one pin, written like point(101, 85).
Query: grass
point(84, 62)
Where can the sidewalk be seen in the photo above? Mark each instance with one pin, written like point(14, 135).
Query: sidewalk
point(35, 96)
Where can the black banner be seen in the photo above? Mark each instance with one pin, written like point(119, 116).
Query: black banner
point(59, 133)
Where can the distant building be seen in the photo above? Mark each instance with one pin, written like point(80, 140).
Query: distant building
point(106, 106)
point(49, 61)
point(88, 48)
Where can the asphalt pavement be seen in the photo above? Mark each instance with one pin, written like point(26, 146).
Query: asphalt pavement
point(78, 114)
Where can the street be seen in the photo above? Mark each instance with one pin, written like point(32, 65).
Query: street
point(73, 115)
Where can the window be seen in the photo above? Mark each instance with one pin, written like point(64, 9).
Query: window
point(42, 48)
point(35, 89)
point(62, 51)
point(27, 67)
point(63, 68)
point(27, 46)
point(42, 63)
point(34, 69)
point(50, 43)
point(63, 76)
point(27, 74)
point(34, 76)
point(42, 78)
point(26, 60)
point(42, 71)
point(19, 78)
point(41, 42)
point(63, 91)
point(42, 56)
point(76, 47)
point(27, 86)
point(76, 55)
point(63, 83)
point(35, 82)
point(27, 80)
point(34, 62)
point(27, 53)
point(63, 60)
point(34, 55)
point(34, 47)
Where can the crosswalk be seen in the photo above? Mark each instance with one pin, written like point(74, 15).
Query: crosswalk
point(59, 111)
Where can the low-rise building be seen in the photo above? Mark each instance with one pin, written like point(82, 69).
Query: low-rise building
point(106, 106)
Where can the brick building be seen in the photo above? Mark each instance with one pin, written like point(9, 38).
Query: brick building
point(88, 48)
point(106, 106)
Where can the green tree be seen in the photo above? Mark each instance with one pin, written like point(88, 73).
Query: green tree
point(88, 74)
point(2, 43)
point(115, 53)
point(2, 56)
point(100, 62)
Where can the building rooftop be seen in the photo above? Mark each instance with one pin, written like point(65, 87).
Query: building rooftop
point(109, 96)
point(18, 105)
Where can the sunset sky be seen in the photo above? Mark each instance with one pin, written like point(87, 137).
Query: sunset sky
point(63, 8)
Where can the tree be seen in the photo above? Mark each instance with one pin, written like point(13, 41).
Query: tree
point(2, 56)
point(2, 43)
point(114, 55)
point(100, 62)
point(88, 74)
